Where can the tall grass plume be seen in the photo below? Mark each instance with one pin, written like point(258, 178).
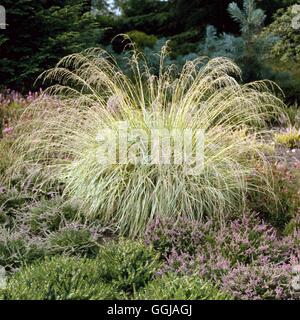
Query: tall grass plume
point(57, 143)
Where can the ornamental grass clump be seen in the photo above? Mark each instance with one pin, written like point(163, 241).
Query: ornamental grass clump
point(64, 144)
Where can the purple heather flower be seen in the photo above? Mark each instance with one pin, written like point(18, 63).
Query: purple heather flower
point(245, 256)
point(7, 130)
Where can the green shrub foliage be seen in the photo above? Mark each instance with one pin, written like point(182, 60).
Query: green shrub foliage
point(174, 287)
point(59, 278)
point(128, 265)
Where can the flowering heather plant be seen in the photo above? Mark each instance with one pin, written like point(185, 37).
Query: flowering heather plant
point(182, 235)
point(246, 239)
point(11, 202)
point(12, 104)
point(9, 97)
point(181, 263)
point(34, 228)
point(246, 243)
point(18, 248)
point(269, 281)
point(45, 216)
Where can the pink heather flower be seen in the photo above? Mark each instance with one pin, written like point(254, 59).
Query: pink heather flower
point(8, 130)
point(279, 292)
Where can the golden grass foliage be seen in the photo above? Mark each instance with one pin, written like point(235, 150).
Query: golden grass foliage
point(289, 138)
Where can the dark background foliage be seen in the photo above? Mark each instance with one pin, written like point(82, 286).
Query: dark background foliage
point(40, 32)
